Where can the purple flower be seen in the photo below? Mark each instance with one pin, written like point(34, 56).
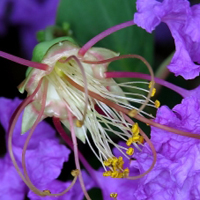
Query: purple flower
point(183, 22)
point(44, 160)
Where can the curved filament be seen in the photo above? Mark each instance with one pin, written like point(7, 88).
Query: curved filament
point(183, 92)
point(102, 35)
point(24, 62)
point(76, 156)
point(85, 84)
point(152, 149)
point(127, 112)
point(131, 56)
point(13, 122)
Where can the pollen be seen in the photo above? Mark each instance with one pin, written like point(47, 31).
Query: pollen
point(153, 92)
point(113, 195)
point(107, 173)
point(130, 151)
point(79, 123)
point(157, 103)
point(75, 172)
point(132, 113)
point(129, 141)
point(135, 129)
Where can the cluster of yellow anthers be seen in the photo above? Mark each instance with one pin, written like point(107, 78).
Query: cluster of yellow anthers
point(116, 166)
point(156, 103)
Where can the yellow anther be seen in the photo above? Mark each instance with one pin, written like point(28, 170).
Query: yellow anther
point(114, 161)
point(130, 151)
point(153, 92)
point(79, 123)
point(115, 174)
point(113, 195)
point(132, 113)
point(108, 173)
point(135, 129)
point(135, 138)
point(141, 139)
point(120, 163)
point(126, 173)
point(107, 162)
point(59, 71)
point(150, 84)
point(75, 172)
point(129, 141)
point(157, 103)
point(47, 192)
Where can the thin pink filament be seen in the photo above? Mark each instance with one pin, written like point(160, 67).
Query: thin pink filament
point(24, 62)
point(183, 92)
point(13, 122)
point(102, 35)
point(76, 156)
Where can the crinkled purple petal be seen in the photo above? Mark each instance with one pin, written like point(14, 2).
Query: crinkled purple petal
point(183, 22)
point(56, 186)
point(43, 130)
point(44, 163)
point(12, 187)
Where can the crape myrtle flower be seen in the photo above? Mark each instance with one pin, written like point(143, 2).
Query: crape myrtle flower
point(183, 22)
point(176, 172)
point(72, 85)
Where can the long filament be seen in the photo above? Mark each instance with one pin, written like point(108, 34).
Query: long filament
point(84, 81)
point(14, 119)
point(152, 149)
point(131, 56)
point(24, 62)
point(127, 112)
point(76, 156)
point(102, 35)
point(183, 92)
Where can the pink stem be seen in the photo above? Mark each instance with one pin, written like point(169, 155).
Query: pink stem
point(102, 35)
point(183, 92)
point(68, 141)
point(76, 156)
point(25, 62)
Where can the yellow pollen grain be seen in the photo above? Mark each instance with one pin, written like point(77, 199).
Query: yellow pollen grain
point(113, 195)
point(47, 192)
point(153, 92)
point(108, 173)
point(150, 84)
point(135, 129)
point(126, 173)
point(157, 103)
point(132, 113)
point(79, 123)
point(107, 162)
point(135, 138)
point(130, 151)
point(75, 172)
point(129, 141)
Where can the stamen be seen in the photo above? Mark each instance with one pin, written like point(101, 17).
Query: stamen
point(24, 62)
point(78, 122)
point(183, 92)
point(76, 155)
point(127, 112)
point(102, 35)
point(13, 122)
point(131, 56)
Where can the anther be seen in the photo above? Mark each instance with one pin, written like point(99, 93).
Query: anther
point(130, 151)
point(47, 192)
point(79, 123)
point(135, 129)
point(157, 103)
point(113, 195)
point(75, 172)
point(132, 113)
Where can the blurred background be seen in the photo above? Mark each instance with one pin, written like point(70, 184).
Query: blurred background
point(20, 20)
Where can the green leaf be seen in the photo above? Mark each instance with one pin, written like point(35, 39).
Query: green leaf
point(87, 18)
